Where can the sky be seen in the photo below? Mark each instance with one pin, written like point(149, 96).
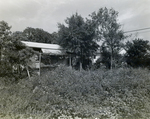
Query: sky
point(46, 14)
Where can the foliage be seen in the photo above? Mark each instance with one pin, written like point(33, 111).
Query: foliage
point(38, 35)
point(20, 55)
point(77, 37)
point(4, 40)
point(14, 54)
point(137, 53)
point(120, 93)
point(55, 37)
point(108, 32)
point(105, 59)
point(4, 37)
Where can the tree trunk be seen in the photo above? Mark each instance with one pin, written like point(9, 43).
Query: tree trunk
point(1, 55)
point(80, 65)
point(70, 61)
point(81, 59)
point(111, 59)
point(111, 62)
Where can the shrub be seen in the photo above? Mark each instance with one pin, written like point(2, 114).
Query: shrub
point(120, 93)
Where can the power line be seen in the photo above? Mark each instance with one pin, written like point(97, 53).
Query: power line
point(143, 31)
point(137, 30)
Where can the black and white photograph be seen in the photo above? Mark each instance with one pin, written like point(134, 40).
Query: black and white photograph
point(74, 59)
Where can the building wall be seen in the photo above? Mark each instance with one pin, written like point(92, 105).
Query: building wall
point(47, 61)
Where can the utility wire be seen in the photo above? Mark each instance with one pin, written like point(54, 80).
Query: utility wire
point(143, 31)
point(137, 30)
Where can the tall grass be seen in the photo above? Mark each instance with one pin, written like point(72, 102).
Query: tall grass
point(120, 93)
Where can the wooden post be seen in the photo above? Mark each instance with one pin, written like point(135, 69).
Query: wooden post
point(28, 71)
point(39, 65)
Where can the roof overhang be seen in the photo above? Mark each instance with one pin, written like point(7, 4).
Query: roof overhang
point(51, 49)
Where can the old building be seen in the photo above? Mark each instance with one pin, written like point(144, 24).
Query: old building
point(47, 55)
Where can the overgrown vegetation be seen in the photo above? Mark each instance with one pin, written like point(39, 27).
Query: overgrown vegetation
point(120, 93)
point(116, 93)
point(138, 53)
point(14, 55)
point(77, 38)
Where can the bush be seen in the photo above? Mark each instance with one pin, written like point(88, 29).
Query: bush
point(120, 93)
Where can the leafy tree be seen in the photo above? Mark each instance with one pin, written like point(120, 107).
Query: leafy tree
point(76, 36)
point(105, 59)
point(38, 35)
point(55, 37)
point(108, 32)
point(20, 54)
point(14, 54)
point(137, 53)
point(4, 37)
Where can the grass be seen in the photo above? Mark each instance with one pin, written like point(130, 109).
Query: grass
point(120, 93)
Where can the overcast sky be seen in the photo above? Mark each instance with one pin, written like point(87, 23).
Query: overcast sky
point(45, 14)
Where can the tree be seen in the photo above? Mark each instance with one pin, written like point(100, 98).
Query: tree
point(38, 35)
point(4, 37)
point(137, 53)
point(55, 37)
point(108, 31)
point(77, 37)
point(14, 54)
point(105, 57)
point(20, 55)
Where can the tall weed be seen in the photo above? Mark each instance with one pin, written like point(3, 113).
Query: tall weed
point(120, 93)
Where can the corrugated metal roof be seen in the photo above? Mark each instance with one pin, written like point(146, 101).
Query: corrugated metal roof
point(52, 49)
point(42, 45)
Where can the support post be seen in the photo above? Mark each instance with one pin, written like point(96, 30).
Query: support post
point(28, 71)
point(39, 65)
